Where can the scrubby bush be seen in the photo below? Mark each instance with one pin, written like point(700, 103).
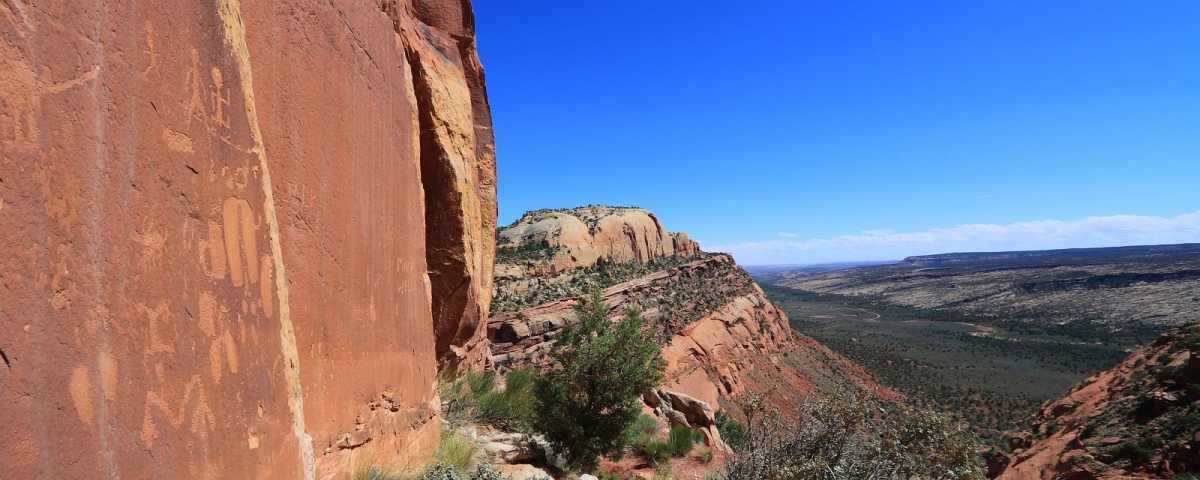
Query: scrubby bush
point(1136, 451)
point(706, 456)
point(591, 393)
point(852, 436)
point(681, 440)
point(733, 433)
point(512, 407)
point(458, 452)
point(443, 471)
point(657, 452)
point(457, 458)
point(641, 431)
point(474, 398)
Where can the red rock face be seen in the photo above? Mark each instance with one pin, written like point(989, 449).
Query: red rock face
point(1146, 398)
point(220, 218)
point(724, 337)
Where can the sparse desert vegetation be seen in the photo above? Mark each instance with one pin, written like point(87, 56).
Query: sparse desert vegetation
point(991, 377)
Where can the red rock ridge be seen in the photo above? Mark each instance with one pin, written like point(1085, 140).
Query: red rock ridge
point(736, 340)
point(1149, 395)
point(220, 219)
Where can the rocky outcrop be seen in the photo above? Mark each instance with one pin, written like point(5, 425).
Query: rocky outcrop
point(220, 219)
point(678, 409)
point(721, 336)
point(1139, 419)
point(545, 242)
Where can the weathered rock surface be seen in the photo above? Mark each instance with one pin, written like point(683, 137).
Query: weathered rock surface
point(1136, 420)
point(679, 409)
point(721, 336)
point(509, 447)
point(582, 237)
point(220, 218)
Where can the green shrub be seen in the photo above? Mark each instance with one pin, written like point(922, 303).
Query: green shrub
point(512, 407)
point(733, 433)
point(481, 382)
point(657, 452)
point(591, 394)
point(458, 452)
point(443, 471)
point(641, 431)
point(1137, 452)
point(681, 440)
point(367, 469)
point(854, 436)
point(706, 456)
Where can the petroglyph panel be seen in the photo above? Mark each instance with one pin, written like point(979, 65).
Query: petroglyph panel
point(217, 259)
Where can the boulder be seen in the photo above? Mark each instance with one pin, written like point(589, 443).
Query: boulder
point(680, 409)
point(508, 447)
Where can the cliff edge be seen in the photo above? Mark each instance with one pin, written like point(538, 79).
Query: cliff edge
point(720, 334)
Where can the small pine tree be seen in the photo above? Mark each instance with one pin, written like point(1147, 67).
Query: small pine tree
point(599, 371)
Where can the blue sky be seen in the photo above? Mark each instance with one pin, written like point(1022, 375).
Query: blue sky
point(782, 131)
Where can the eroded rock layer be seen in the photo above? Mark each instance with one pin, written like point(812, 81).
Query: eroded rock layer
point(220, 219)
point(720, 335)
point(544, 242)
point(1140, 419)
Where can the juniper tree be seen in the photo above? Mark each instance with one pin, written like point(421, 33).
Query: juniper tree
point(599, 370)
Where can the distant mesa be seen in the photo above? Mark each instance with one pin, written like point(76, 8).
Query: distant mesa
point(952, 258)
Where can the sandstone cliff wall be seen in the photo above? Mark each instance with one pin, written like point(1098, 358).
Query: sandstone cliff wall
point(220, 218)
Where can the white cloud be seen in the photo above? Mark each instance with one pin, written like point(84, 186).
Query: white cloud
point(786, 234)
point(1033, 235)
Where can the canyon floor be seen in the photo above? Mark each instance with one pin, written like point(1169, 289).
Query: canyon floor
point(992, 336)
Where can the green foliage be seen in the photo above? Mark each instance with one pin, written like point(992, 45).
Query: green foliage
point(599, 370)
point(474, 398)
point(993, 380)
point(1136, 451)
point(526, 252)
point(458, 452)
point(481, 382)
point(641, 431)
point(681, 440)
point(657, 452)
point(846, 436)
point(579, 282)
point(732, 431)
point(512, 407)
point(705, 456)
point(443, 471)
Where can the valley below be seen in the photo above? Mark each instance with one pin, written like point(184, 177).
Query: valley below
point(993, 378)
point(998, 339)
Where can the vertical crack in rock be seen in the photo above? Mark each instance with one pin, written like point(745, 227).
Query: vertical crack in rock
point(457, 163)
point(444, 228)
point(235, 36)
